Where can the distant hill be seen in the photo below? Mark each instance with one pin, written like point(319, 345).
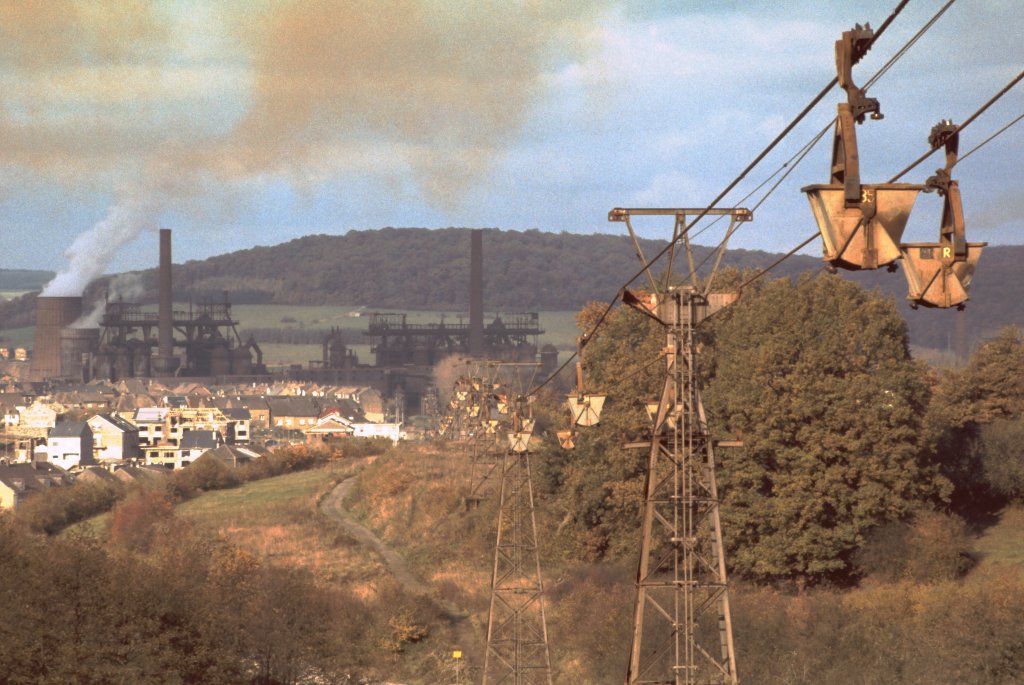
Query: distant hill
point(23, 279)
point(414, 268)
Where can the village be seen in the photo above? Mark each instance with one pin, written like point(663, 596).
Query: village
point(136, 429)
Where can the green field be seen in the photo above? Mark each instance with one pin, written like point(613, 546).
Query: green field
point(560, 328)
point(278, 518)
point(269, 501)
point(17, 337)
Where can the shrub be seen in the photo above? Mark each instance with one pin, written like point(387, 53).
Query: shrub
point(931, 547)
point(1002, 443)
point(53, 510)
point(134, 520)
point(205, 473)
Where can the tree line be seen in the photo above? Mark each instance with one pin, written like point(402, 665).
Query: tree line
point(847, 439)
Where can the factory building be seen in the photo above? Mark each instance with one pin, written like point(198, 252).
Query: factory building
point(134, 343)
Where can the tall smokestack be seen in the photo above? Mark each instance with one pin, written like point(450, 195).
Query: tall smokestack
point(476, 293)
point(165, 363)
point(960, 345)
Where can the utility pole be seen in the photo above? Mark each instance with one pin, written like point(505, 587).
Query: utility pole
point(517, 637)
point(682, 624)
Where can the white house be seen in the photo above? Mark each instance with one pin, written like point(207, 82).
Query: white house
point(69, 444)
point(391, 431)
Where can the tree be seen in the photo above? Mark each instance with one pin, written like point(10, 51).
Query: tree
point(599, 484)
point(989, 389)
point(1002, 457)
point(817, 381)
point(134, 521)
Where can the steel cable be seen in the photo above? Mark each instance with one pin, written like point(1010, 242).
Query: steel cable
point(987, 140)
point(757, 160)
point(1014, 81)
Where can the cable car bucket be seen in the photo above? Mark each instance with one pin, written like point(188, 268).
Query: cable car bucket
point(935, 276)
point(860, 224)
point(584, 407)
point(939, 274)
point(866, 235)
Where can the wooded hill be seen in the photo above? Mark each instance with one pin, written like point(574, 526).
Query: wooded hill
point(415, 268)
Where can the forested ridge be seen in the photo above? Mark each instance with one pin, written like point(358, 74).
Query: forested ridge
point(416, 268)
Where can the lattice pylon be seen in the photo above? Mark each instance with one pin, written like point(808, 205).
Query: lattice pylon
point(682, 626)
point(517, 638)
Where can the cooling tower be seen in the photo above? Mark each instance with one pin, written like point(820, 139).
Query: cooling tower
point(77, 347)
point(53, 314)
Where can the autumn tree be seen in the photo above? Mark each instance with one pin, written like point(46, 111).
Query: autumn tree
point(970, 423)
point(134, 521)
point(599, 485)
point(1002, 457)
point(815, 378)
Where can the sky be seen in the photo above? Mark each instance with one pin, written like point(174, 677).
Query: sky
point(254, 122)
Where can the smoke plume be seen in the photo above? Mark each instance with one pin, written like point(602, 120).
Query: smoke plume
point(123, 287)
point(185, 99)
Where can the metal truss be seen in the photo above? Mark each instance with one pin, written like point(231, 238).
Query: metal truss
point(517, 637)
point(682, 625)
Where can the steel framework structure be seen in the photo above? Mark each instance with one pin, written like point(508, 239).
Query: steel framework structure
point(682, 625)
point(517, 637)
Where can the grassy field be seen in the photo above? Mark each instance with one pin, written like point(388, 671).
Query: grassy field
point(18, 337)
point(1003, 544)
point(560, 328)
point(278, 519)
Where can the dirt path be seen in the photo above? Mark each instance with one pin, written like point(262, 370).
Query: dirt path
point(465, 633)
point(332, 506)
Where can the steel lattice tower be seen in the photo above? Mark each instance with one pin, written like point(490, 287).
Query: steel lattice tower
point(517, 637)
point(682, 625)
point(682, 629)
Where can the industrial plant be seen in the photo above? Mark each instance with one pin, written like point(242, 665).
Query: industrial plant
point(202, 341)
point(133, 343)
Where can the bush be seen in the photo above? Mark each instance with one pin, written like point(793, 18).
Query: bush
point(1002, 450)
point(51, 511)
point(205, 473)
point(930, 547)
point(361, 447)
point(134, 520)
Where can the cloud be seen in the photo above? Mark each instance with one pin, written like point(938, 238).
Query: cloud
point(304, 91)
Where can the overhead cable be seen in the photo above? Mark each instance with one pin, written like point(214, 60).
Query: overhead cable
point(1014, 81)
point(757, 160)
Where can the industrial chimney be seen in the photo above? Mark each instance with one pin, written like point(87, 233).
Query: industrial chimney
point(476, 293)
point(165, 363)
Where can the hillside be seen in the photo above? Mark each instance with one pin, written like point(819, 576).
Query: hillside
point(23, 279)
point(410, 268)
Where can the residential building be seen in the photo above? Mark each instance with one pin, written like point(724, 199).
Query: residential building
point(20, 481)
point(114, 438)
point(150, 421)
point(40, 415)
point(69, 445)
point(330, 426)
point(238, 431)
point(292, 413)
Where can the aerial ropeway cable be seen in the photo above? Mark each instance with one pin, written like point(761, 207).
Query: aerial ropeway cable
point(853, 227)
